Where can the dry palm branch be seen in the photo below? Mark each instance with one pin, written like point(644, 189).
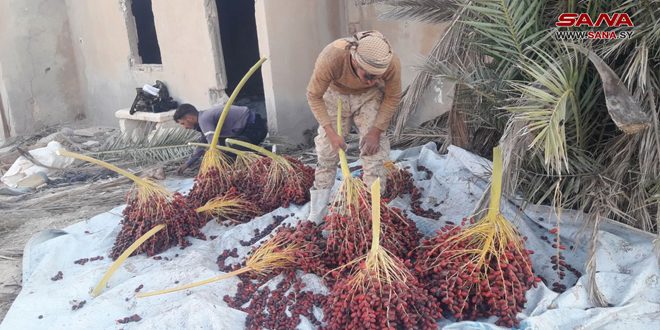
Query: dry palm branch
point(214, 177)
point(162, 145)
point(434, 130)
point(447, 47)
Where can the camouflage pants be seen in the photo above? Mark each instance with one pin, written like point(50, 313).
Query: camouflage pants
point(361, 110)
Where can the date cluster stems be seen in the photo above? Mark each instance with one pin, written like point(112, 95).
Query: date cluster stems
point(481, 269)
point(380, 292)
point(274, 255)
point(214, 176)
point(244, 160)
point(231, 207)
point(154, 219)
point(274, 180)
point(348, 222)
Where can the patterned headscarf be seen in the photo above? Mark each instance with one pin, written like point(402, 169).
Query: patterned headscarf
point(371, 51)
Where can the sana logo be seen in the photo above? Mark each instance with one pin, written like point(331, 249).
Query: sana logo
point(583, 19)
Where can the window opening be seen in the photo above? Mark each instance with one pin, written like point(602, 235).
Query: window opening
point(148, 47)
point(240, 46)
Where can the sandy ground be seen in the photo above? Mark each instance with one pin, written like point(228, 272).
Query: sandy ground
point(51, 208)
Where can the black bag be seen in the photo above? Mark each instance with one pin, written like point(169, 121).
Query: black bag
point(147, 102)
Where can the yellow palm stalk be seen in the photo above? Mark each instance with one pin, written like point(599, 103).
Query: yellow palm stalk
point(351, 190)
point(244, 159)
point(146, 193)
point(492, 233)
point(275, 254)
point(380, 264)
point(346, 203)
point(145, 189)
point(117, 263)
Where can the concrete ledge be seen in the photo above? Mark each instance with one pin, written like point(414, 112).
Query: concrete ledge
point(143, 123)
point(159, 117)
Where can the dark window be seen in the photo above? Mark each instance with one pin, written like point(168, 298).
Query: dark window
point(148, 48)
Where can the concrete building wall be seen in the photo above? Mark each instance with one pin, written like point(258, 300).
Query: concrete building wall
point(412, 41)
point(104, 38)
point(291, 34)
point(39, 83)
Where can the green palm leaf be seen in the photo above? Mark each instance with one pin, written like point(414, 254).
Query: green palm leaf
point(546, 104)
point(430, 11)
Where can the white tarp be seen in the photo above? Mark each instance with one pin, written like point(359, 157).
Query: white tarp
point(628, 273)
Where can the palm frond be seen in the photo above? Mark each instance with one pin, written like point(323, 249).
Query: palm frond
point(160, 145)
point(546, 104)
point(507, 30)
point(430, 11)
point(645, 15)
point(366, 2)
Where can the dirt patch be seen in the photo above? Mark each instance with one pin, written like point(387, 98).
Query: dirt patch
point(53, 208)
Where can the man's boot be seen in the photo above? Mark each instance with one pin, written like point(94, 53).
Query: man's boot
point(318, 202)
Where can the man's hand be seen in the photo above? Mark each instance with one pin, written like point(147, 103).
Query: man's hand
point(370, 142)
point(183, 167)
point(336, 141)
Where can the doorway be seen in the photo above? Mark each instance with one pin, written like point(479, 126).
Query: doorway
point(240, 48)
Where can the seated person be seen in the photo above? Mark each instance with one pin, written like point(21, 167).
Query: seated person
point(241, 124)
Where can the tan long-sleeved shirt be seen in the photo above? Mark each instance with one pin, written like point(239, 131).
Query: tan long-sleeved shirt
point(333, 70)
